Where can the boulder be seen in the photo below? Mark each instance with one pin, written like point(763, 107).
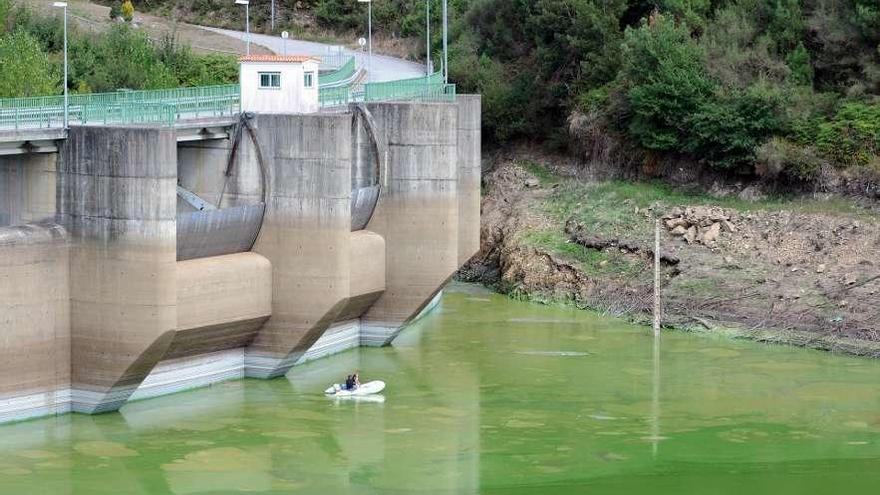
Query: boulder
point(710, 235)
point(679, 230)
point(691, 235)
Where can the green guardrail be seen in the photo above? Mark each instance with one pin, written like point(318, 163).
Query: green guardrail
point(163, 106)
point(337, 76)
point(168, 106)
point(426, 88)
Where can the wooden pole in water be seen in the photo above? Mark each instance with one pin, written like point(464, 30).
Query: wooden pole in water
point(657, 277)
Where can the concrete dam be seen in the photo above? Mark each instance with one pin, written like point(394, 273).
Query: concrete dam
point(138, 260)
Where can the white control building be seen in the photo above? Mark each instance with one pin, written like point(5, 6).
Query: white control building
point(279, 84)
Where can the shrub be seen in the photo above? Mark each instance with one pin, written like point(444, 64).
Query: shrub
point(663, 69)
point(779, 157)
point(127, 10)
point(852, 137)
point(725, 131)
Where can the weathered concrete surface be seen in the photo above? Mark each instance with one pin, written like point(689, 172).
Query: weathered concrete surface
point(117, 198)
point(417, 214)
point(305, 234)
point(34, 322)
point(27, 188)
point(469, 175)
point(367, 275)
point(221, 303)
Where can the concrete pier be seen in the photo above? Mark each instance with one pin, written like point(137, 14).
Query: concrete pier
point(113, 288)
point(118, 201)
point(417, 213)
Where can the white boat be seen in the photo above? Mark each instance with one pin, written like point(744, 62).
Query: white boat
point(369, 388)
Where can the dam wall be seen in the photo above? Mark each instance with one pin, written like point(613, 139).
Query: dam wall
point(34, 321)
point(127, 272)
point(27, 188)
point(118, 201)
point(417, 214)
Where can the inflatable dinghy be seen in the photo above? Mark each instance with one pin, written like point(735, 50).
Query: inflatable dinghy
point(368, 388)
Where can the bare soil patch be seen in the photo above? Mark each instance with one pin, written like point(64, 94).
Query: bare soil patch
point(795, 269)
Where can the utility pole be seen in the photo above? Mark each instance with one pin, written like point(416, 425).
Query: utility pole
point(272, 22)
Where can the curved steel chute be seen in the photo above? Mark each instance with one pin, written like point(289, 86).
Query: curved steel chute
point(218, 231)
point(368, 172)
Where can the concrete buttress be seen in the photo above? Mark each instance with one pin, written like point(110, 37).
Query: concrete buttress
point(117, 199)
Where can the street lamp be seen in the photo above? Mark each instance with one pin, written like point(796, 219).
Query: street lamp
point(247, 23)
point(369, 34)
point(428, 37)
point(63, 5)
point(445, 43)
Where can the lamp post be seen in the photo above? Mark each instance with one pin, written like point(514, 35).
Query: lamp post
point(63, 5)
point(247, 23)
point(428, 37)
point(369, 34)
point(445, 42)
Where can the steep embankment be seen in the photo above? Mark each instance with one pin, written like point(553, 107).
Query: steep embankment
point(802, 271)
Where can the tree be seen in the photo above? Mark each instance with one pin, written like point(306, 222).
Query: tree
point(26, 69)
point(666, 82)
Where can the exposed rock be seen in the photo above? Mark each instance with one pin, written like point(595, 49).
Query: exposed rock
point(532, 183)
point(821, 268)
point(751, 193)
point(679, 230)
point(710, 235)
point(691, 235)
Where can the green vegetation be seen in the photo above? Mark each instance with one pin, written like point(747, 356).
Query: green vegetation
point(31, 47)
point(618, 209)
point(714, 80)
point(592, 262)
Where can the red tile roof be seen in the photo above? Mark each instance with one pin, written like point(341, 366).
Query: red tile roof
point(278, 58)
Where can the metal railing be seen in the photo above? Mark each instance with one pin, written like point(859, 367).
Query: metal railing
point(168, 106)
point(340, 75)
point(427, 88)
point(162, 106)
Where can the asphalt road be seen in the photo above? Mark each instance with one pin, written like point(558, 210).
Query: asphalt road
point(384, 68)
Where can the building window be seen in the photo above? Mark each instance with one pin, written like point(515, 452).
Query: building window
point(271, 80)
point(309, 79)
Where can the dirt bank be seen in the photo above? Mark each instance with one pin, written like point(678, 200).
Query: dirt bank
point(797, 270)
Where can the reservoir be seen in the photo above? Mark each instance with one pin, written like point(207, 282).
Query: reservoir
point(488, 395)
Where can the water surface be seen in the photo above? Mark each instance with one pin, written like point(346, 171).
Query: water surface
point(488, 395)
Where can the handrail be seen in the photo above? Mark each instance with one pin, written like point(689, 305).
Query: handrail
point(168, 106)
point(339, 75)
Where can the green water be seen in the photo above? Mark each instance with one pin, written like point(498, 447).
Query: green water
point(487, 395)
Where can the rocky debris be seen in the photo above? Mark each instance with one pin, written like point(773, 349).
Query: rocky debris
point(699, 224)
point(532, 183)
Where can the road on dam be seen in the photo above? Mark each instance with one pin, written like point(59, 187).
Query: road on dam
point(384, 68)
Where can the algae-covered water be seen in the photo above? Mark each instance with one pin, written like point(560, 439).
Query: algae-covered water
point(488, 395)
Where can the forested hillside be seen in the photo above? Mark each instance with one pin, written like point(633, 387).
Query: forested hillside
point(778, 88)
point(774, 88)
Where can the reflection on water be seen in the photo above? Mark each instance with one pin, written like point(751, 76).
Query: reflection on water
point(494, 396)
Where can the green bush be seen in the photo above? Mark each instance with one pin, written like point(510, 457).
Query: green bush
point(666, 80)
point(779, 157)
point(26, 68)
point(725, 131)
point(852, 137)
